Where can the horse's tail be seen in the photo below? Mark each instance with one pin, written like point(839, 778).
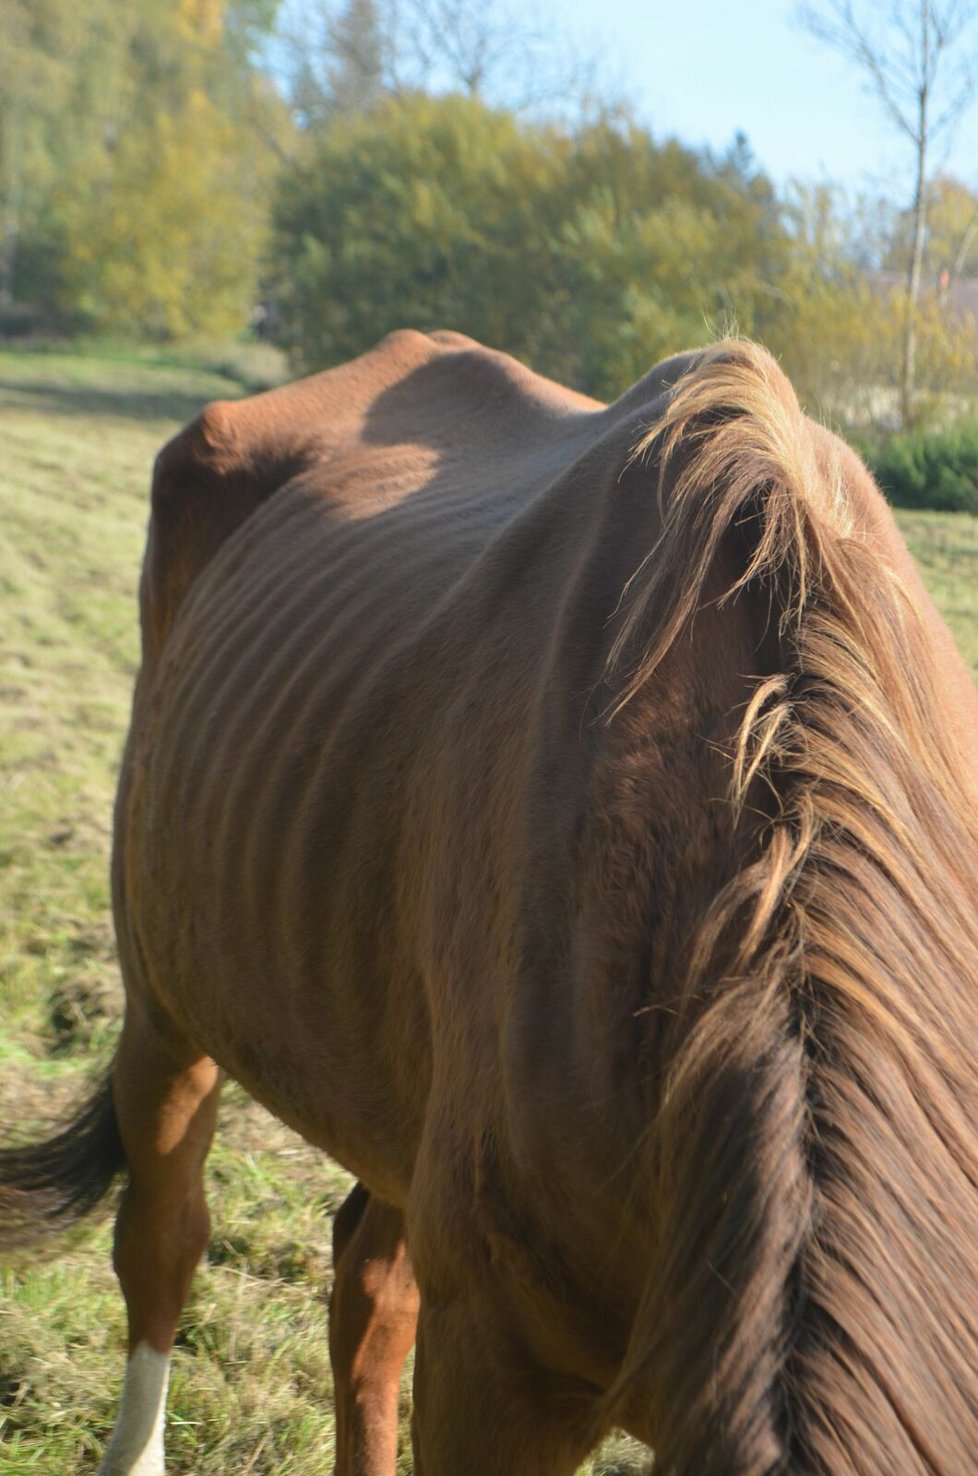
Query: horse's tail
point(812, 1300)
point(47, 1187)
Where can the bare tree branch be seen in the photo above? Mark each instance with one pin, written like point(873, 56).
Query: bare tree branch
point(924, 78)
point(487, 48)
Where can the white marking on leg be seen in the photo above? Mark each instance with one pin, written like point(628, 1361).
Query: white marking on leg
point(136, 1447)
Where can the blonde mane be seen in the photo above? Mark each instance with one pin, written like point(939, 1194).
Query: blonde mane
point(814, 1302)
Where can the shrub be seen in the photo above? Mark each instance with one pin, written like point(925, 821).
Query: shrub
point(589, 254)
point(936, 469)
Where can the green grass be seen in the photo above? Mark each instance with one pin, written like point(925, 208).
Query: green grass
point(945, 546)
point(251, 1383)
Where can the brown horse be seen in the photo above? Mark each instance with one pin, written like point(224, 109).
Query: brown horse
point(565, 817)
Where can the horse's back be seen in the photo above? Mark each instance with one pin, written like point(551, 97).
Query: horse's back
point(365, 434)
point(350, 591)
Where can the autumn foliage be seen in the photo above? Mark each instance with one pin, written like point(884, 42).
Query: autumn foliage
point(168, 171)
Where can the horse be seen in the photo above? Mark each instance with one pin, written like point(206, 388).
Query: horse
point(563, 815)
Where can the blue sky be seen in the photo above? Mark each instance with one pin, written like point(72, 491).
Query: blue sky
point(703, 69)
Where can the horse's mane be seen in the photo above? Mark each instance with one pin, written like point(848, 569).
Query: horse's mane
point(813, 1302)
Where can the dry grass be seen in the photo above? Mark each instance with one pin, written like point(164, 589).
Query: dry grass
point(251, 1386)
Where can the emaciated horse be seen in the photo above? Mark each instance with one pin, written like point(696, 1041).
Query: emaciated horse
point(565, 817)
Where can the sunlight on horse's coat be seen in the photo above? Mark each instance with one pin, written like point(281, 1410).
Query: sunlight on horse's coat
point(564, 816)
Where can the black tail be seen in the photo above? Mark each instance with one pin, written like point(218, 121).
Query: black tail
point(47, 1187)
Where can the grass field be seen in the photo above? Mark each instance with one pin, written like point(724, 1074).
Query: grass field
point(251, 1386)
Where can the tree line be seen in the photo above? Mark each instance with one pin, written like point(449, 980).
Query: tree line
point(321, 174)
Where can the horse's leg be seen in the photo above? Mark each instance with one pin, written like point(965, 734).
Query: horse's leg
point(165, 1096)
point(481, 1407)
point(373, 1313)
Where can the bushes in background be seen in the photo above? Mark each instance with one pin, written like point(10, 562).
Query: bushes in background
point(934, 469)
point(589, 253)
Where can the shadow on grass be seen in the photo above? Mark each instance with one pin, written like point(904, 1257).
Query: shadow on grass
point(51, 397)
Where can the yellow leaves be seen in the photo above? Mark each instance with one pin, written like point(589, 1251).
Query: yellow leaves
point(840, 336)
point(170, 247)
point(200, 20)
point(134, 176)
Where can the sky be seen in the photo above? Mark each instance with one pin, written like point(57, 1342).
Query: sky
point(704, 69)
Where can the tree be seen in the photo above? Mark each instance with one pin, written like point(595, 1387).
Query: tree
point(358, 70)
point(951, 237)
point(342, 56)
point(133, 197)
point(488, 49)
point(588, 254)
point(336, 61)
point(163, 232)
point(59, 71)
point(838, 329)
point(169, 245)
point(911, 54)
point(838, 339)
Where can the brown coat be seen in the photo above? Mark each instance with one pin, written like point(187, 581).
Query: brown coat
point(564, 816)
